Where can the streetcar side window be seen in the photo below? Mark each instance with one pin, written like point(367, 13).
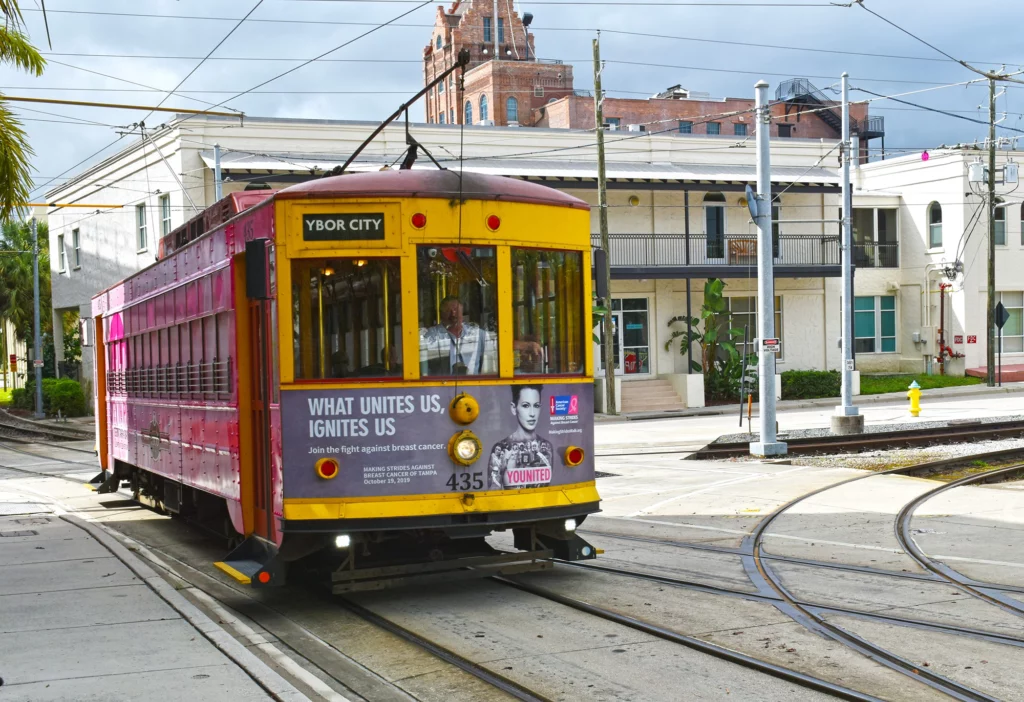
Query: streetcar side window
point(347, 318)
point(547, 312)
point(458, 303)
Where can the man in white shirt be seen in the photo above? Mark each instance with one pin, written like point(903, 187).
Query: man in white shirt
point(456, 346)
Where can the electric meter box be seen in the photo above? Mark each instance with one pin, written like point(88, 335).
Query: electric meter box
point(976, 173)
point(1010, 173)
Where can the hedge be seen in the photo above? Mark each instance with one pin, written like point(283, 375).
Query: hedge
point(803, 385)
point(59, 395)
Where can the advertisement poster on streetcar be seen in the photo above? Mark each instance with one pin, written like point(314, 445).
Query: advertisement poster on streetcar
point(395, 441)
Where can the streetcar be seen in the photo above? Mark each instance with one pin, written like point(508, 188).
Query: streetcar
point(376, 370)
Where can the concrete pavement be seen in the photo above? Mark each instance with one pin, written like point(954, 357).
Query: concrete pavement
point(82, 618)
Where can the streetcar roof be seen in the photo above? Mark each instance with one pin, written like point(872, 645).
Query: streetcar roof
point(431, 184)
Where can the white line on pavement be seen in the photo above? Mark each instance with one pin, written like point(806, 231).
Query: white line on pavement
point(712, 486)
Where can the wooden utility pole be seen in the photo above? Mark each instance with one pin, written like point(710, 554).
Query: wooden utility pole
point(602, 204)
point(990, 313)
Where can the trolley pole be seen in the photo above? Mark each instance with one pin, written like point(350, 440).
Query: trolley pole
point(847, 419)
point(37, 361)
point(768, 344)
point(607, 329)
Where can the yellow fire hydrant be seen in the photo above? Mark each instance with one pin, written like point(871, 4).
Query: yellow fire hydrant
point(914, 394)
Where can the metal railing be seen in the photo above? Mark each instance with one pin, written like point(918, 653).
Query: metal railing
point(662, 250)
point(876, 255)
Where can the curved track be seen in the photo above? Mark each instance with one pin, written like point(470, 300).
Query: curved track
point(993, 595)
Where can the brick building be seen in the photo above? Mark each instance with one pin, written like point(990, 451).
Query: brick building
point(505, 84)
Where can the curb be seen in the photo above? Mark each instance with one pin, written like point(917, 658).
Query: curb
point(859, 400)
point(275, 685)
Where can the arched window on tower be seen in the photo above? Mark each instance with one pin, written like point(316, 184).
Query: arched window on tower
point(483, 108)
point(469, 113)
point(511, 110)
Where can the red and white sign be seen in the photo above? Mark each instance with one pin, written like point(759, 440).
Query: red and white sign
point(771, 346)
point(958, 339)
point(972, 339)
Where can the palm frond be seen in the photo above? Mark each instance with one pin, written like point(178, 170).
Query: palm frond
point(11, 12)
point(16, 49)
point(15, 152)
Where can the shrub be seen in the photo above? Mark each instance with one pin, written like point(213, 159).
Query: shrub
point(802, 385)
point(59, 395)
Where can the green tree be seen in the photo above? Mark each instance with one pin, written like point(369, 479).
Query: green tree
point(15, 152)
point(16, 290)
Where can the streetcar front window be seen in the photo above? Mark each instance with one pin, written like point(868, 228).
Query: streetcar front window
point(547, 312)
point(458, 302)
point(347, 318)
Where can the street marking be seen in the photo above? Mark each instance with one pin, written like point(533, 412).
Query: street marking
point(1008, 564)
point(259, 641)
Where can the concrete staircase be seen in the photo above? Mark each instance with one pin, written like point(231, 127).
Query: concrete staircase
point(649, 396)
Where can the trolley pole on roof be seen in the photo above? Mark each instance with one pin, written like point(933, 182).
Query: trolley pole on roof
point(218, 183)
point(37, 355)
point(607, 326)
point(768, 344)
point(847, 419)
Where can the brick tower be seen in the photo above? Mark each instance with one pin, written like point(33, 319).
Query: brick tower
point(506, 85)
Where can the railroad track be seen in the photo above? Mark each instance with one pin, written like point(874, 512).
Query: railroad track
point(24, 431)
point(954, 432)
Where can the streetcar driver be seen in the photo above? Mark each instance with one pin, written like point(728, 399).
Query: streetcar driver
point(457, 346)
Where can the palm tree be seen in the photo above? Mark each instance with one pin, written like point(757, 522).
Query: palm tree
point(15, 178)
point(16, 289)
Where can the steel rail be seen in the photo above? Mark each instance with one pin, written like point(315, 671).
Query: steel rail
point(764, 576)
point(904, 438)
point(700, 645)
point(509, 687)
point(5, 447)
point(968, 585)
point(991, 636)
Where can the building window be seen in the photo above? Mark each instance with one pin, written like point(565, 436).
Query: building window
point(686, 127)
point(785, 131)
point(512, 110)
point(934, 225)
point(165, 215)
point(487, 30)
point(875, 237)
point(440, 89)
point(614, 122)
point(483, 108)
point(743, 313)
point(62, 262)
point(140, 226)
point(469, 112)
point(739, 129)
point(438, 43)
point(714, 128)
point(874, 324)
point(501, 30)
point(1000, 226)
point(538, 91)
point(714, 225)
point(451, 115)
point(76, 249)
point(630, 337)
point(440, 118)
point(451, 81)
point(1013, 330)
point(776, 229)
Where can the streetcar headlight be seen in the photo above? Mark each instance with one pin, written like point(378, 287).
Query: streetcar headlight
point(342, 541)
point(464, 448)
point(570, 525)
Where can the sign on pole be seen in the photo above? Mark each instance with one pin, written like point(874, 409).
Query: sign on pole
point(1002, 315)
point(771, 346)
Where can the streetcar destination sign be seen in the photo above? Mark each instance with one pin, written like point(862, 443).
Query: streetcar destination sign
point(343, 227)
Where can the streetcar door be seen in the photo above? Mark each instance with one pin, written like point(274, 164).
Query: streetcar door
point(259, 257)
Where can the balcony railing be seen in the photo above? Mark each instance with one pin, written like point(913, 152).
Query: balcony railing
point(740, 250)
point(876, 255)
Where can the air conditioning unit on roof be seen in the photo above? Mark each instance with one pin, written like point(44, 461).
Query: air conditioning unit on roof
point(637, 127)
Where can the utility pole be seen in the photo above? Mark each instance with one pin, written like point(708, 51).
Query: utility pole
point(37, 360)
point(768, 343)
point(218, 183)
point(602, 214)
point(990, 313)
point(847, 419)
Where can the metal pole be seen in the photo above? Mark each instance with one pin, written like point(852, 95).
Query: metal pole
point(767, 446)
point(38, 354)
point(497, 48)
point(602, 203)
point(847, 408)
point(990, 313)
point(218, 184)
point(689, 315)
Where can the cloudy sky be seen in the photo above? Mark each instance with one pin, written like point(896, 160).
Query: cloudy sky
point(154, 44)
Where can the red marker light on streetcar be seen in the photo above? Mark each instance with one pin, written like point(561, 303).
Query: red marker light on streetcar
point(493, 222)
point(419, 220)
point(263, 577)
point(327, 468)
point(574, 456)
